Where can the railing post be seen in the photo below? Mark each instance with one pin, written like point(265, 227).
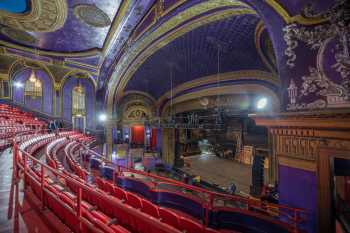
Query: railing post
point(79, 208)
point(42, 172)
point(295, 221)
point(15, 158)
point(25, 169)
point(208, 208)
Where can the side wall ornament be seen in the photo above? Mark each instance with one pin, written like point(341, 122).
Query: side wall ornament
point(321, 85)
point(45, 16)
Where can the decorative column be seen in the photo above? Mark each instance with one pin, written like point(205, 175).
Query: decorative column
point(168, 146)
point(56, 99)
point(109, 139)
point(303, 144)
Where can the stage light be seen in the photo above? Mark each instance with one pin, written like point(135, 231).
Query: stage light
point(261, 103)
point(102, 117)
point(18, 84)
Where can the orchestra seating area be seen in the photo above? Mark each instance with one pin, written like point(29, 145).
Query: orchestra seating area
point(88, 193)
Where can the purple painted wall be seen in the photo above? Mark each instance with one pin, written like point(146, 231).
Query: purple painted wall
point(44, 104)
point(298, 188)
point(69, 84)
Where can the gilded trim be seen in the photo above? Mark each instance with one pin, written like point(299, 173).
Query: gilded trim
point(45, 16)
point(115, 26)
point(260, 27)
point(244, 74)
point(167, 27)
point(293, 19)
point(226, 90)
point(297, 163)
point(75, 71)
point(154, 8)
point(172, 36)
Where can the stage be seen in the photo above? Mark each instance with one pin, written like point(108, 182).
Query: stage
point(221, 171)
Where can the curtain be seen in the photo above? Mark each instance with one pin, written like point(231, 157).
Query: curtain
point(138, 134)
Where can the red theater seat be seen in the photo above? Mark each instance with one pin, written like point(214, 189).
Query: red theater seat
point(190, 226)
point(133, 200)
point(119, 193)
point(100, 183)
point(109, 188)
point(169, 217)
point(149, 208)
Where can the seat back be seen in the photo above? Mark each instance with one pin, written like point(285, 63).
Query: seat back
point(150, 208)
point(133, 200)
point(190, 226)
point(119, 193)
point(169, 217)
point(109, 187)
point(100, 183)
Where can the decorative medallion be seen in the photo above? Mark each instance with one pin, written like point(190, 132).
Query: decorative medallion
point(44, 16)
point(92, 15)
point(18, 35)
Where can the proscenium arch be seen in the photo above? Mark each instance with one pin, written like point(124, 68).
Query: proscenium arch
point(140, 51)
point(234, 8)
point(123, 101)
point(226, 90)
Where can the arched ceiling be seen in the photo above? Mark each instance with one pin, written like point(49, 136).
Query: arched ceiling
point(195, 55)
point(127, 46)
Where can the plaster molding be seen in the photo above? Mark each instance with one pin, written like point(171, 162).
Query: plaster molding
point(260, 27)
point(125, 61)
point(234, 75)
point(45, 16)
point(226, 90)
point(300, 19)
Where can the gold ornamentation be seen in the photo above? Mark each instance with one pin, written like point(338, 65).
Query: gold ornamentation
point(19, 35)
point(92, 15)
point(140, 45)
point(298, 147)
point(235, 75)
point(258, 32)
point(294, 19)
point(45, 16)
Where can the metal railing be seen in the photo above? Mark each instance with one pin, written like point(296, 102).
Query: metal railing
point(293, 217)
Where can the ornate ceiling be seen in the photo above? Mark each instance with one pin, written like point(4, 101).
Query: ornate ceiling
point(195, 55)
point(129, 46)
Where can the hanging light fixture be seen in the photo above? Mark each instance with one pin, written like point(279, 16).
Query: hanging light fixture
point(32, 77)
point(37, 83)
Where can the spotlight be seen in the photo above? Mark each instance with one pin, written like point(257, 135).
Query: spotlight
point(18, 84)
point(261, 103)
point(102, 117)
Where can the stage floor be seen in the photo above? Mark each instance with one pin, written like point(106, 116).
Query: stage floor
point(221, 171)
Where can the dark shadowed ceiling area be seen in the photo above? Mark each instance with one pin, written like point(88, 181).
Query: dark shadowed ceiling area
point(195, 55)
